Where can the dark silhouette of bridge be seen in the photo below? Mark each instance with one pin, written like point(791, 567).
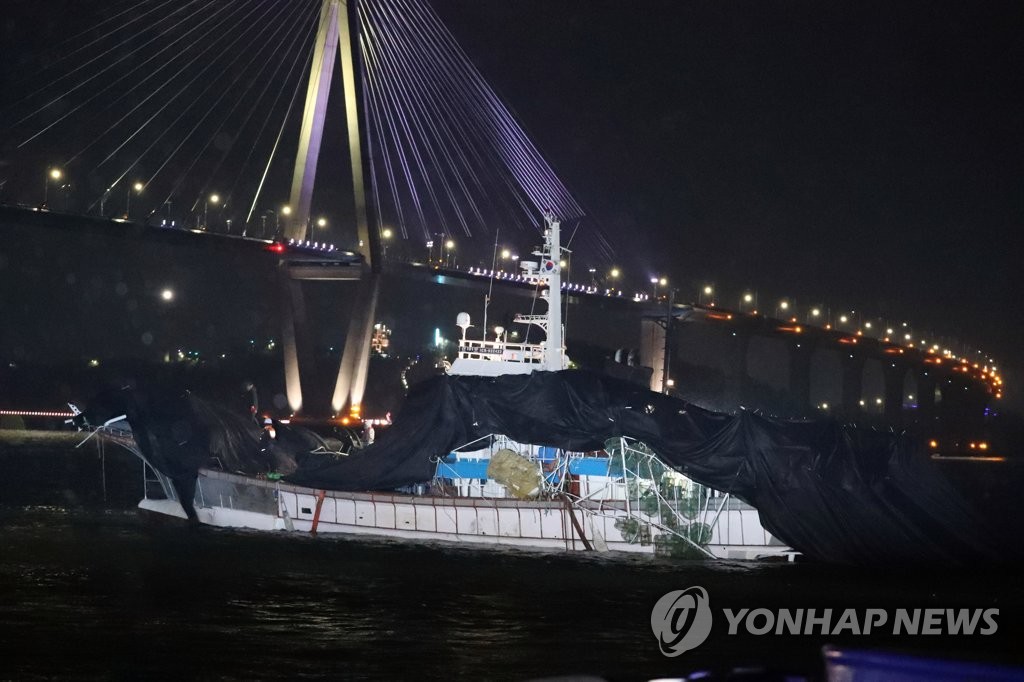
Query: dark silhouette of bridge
point(418, 127)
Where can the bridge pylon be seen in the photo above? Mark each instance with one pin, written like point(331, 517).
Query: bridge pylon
point(338, 23)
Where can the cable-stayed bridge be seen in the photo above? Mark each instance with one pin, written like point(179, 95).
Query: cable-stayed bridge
point(218, 116)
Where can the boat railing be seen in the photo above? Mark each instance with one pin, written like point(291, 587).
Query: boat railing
point(501, 350)
point(635, 485)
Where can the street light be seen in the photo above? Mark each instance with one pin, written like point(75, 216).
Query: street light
point(708, 290)
point(136, 187)
point(614, 274)
point(505, 254)
point(167, 294)
point(321, 222)
point(386, 234)
point(449, 247)
point(658, 281)
point(783, 306)
point(55, 175)
point(212, 199)
point(286, 211)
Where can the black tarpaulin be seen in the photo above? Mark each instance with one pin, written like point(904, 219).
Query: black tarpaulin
point(833, 491)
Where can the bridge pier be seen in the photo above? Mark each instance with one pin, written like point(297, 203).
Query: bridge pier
point(294, 335)
point(739, 387)
point(853, 383)
point(926, 412)
point(800, 375)
point(893, 375)
point(350, 386)
point(652, 351)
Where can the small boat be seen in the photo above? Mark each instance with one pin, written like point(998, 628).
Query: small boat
point(493, 491)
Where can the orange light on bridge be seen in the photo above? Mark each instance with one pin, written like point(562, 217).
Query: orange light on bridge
point(34, 413)
point(933, 444)
point(894, 351)
point(793, 330)
point(718, 316)
point(847, 339)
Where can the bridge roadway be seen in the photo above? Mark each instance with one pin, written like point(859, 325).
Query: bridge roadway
point(724, 359)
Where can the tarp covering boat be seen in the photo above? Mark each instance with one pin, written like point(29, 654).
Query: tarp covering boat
point(830, 490)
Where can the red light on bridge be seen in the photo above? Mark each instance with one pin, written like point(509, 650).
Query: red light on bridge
point(794, 330)
point(718, 316)
point(894, 351)
point(276, 247)
point(847, 339)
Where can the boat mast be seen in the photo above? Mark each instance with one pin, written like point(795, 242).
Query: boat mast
point(553, 345)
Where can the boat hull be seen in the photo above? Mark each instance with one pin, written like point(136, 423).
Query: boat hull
point(236, 501)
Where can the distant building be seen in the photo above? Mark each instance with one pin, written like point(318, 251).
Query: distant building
point(381, 340)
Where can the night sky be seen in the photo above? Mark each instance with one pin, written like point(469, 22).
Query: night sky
point(862, 156)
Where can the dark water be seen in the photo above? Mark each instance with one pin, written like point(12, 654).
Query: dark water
point(93, 592)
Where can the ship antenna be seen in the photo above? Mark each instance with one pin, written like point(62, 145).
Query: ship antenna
point(490, 286)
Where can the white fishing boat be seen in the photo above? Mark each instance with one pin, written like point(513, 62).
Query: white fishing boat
point(495, 491)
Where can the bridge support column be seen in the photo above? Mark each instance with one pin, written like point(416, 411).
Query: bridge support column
point(893, 375)
point(926, 400)
point(853, 384)
point(652, 351)
point(294, 338)
point(800, 375)
point(739, 386)
point(355, 358)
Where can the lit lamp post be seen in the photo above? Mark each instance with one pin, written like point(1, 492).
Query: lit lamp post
point(505, 254)
point(747, 301)
point(386, 235)
point(285, 211)
point(814, 316)
point(782, 308)
point(55, 175)
point(707, 291)
point(656, 281)
point(212, 199)
point(136, 187)
point(321, 222)
point(449, 246)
